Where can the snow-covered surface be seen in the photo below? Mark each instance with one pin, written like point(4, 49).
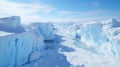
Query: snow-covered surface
point(2, 33)
point(90, 44)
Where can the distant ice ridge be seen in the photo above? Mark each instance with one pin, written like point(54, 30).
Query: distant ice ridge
point(113, 23)
point(11, 24)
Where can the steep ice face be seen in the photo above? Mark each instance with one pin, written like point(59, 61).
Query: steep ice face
point(11, 24)
point(21, 47)
point(91, 32)
point(113, 35)
point(45, 29)
point(104, 38)
point(18, 49)
point(94, 46)
point(100, 38)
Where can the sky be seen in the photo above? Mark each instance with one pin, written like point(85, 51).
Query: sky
point(60, 10)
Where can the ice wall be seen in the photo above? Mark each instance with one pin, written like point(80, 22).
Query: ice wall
point(15, 50)
point(18, 48)
point(45, 29)
point(102, 37)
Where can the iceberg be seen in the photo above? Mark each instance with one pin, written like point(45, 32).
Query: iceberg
point(11, 24)
point(111, 23)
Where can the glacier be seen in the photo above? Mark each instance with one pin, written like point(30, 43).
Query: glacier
point(49, 44)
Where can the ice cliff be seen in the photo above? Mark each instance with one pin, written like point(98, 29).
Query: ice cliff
point(22, 46)
point(45, 29)
point(15, 49)
point(103, 38)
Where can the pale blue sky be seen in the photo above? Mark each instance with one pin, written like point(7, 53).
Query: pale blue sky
point(61, 10)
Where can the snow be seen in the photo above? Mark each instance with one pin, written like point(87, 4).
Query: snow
point(2, 33)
